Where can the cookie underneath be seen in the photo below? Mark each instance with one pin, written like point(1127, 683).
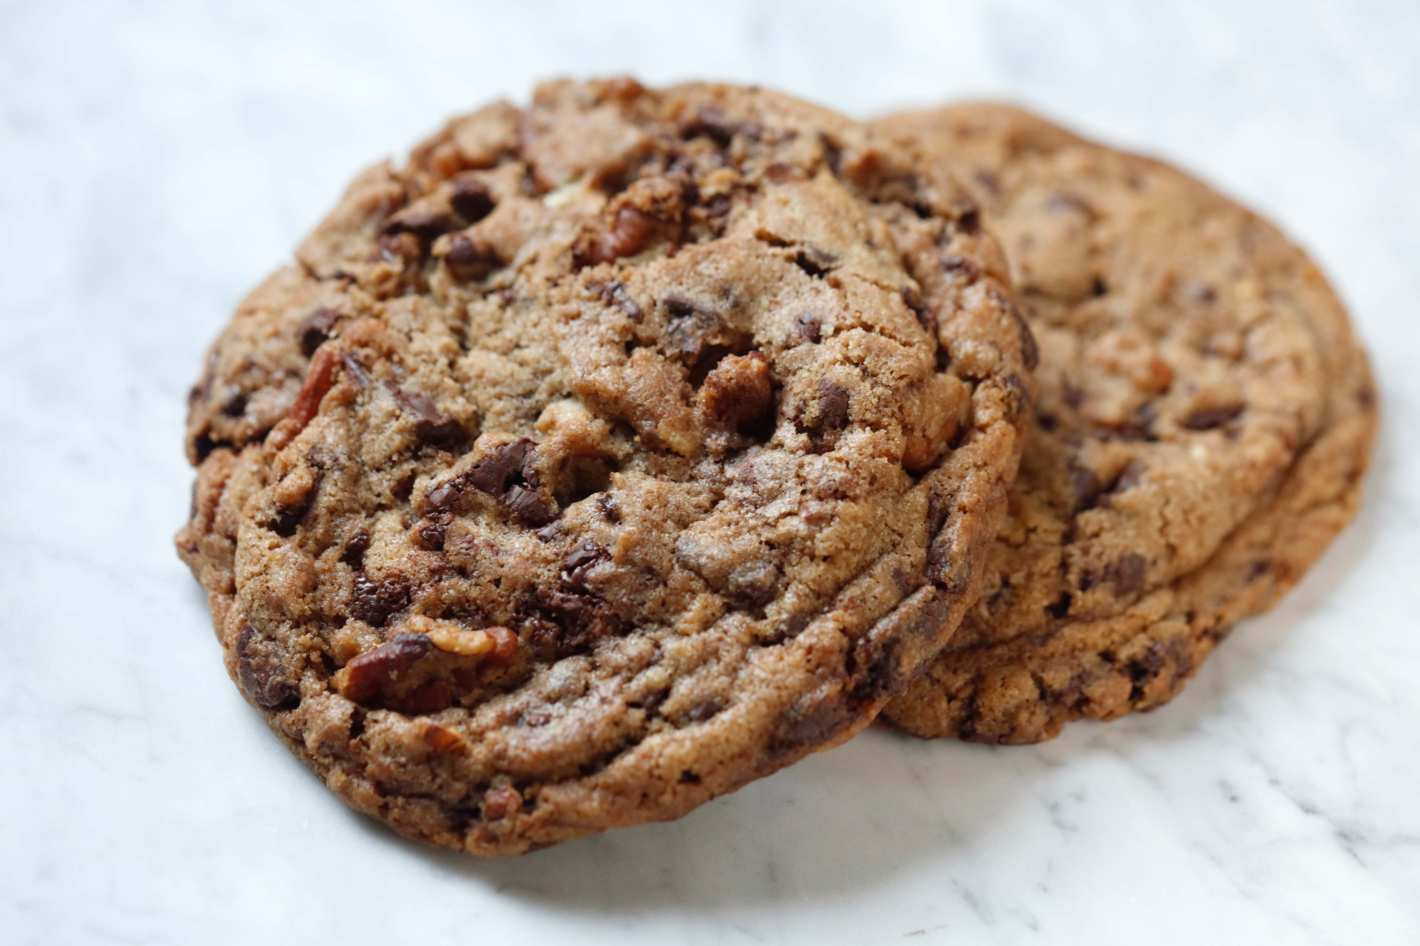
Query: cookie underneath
point(1204, 420)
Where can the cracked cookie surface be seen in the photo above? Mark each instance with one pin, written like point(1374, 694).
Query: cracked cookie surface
point(1204, 418)
point(608, 454)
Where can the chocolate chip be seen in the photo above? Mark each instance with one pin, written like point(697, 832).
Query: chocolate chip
point(444, 495)
point(579, 562)
point(529, 507)
point(1060, 607)
point(355, 548)
point(316, 329)
point(1126, 574)
point(828, 413)
point(832, 153)
point(261, 674)
point(502, 468)
point(471, 199)
point(374, 601)
point(614, 293)
point(423, 221)
point(431, 426)
point(704, 710)
point(606, 502)
point(364, 677)
point(1207, 418)
point(752, 584)
point(1098, 287)
point(1129, 477)
point(469, 260)
point(809, 327)
point(561, 622)
point(969, 220)
point(710, 122)
point(959, 265)
point(1029, 350)
point(235, 405)
point(912, 298)
point(814, 261)
point(1085, 488)
point(430, 532)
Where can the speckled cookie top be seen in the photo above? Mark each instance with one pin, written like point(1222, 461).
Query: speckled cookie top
point(1190, 358)
point(608, 454)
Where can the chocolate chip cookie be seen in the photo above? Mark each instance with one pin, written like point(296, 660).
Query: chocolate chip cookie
point(607, 454)
point(1204, 419)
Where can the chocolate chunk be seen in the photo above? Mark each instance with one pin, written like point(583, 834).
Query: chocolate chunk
point(752, 584)
point(968, 220)
point(704, 710)
point(430, 532)
point(1030, 351)
point(615, 293)
point(424, 221)
point(364, 677)
point(1126, 574)
point(810, 328)
point(468, 260)
point(316, 329)
point(1129, 477)
point(563, 622)
point(432, 426)
point(261, 675)
point(529, 507)
point(507, 473)
point(471, 199)
point(814, 261)
point(502, 468)
point(235, 405)
point(710, 122)
point(355, 548)
point(1060, 607)
point(584, 557)
point(1085, 488)
point(912, 298)
point(957, 264)
point(1207, 418)
point(374, 601)
point(828, 413)
point(697, 334)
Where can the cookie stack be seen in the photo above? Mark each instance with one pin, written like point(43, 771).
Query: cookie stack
point(617, 450)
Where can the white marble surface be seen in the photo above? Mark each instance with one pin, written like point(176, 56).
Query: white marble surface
point(158, 158)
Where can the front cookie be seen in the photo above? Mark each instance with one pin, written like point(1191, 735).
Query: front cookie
point(1204, 418)
point(611, 453)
